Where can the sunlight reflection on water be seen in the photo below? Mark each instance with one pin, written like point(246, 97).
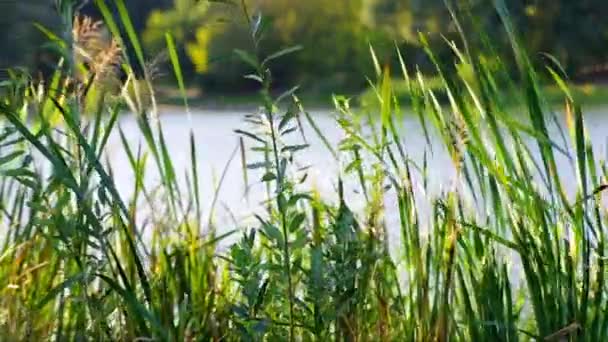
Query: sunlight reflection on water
point(216, 142)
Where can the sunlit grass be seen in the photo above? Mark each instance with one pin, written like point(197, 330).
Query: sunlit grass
point(503, 254)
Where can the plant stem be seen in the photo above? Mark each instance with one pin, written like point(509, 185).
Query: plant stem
point(286, 254)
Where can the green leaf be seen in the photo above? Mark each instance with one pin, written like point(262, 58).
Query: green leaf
point(254, 77)
point(249, 135)
point(248, 58)
point(320, 134)
point(10, 157)
point(50, 35)
point(298, 197)
point(131, 33)
point(269, 177)
point(294, 148)
point(286, 119)
point(296, 222)
point(281, 53)
point(177, 69)
point(375, 60)
point(19, 172)
point(260, 165)
point(273, 233)
point(288, 93)
point(54, 292)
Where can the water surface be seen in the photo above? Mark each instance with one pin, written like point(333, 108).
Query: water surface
point(216, 144)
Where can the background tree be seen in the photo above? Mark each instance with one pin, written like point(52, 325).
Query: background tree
point(334, 35)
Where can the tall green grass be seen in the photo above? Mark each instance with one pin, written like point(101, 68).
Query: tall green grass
point(503, 254)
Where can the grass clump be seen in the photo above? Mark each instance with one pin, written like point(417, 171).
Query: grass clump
point(505, 253)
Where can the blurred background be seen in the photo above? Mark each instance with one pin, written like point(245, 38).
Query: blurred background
point(334, 35)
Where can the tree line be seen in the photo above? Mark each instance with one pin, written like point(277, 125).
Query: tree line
point(334, 36)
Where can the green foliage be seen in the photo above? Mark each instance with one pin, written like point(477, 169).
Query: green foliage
point(181, 20)
point(520, 260)
point(334, 35)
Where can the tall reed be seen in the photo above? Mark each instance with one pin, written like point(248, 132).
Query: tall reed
point(504, 252)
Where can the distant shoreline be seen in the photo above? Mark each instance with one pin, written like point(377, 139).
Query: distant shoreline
point(589, 94)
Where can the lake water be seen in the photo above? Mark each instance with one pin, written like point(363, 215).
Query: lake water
point(216, 143)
